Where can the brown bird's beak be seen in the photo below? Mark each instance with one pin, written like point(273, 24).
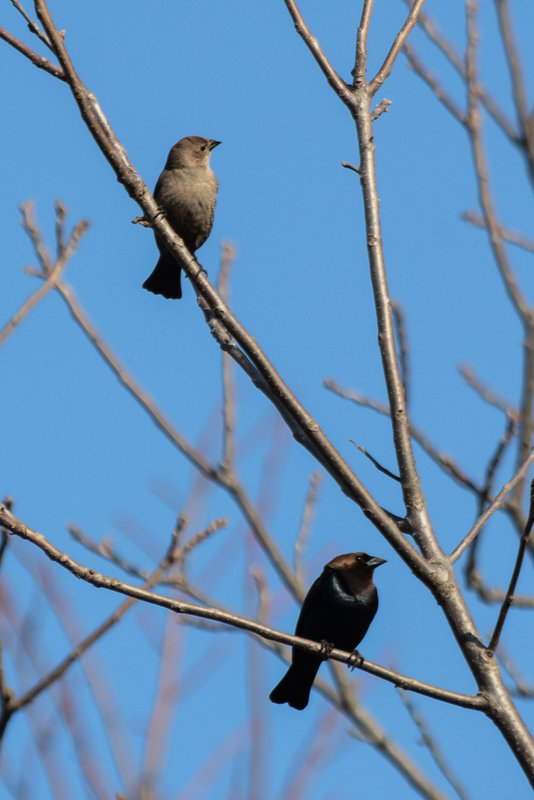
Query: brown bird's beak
point(212, 143)
point(375, 561)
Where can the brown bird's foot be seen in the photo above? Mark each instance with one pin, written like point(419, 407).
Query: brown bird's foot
point(142, 221)
point(201, 271)
point(355, 660)
point(326, 648)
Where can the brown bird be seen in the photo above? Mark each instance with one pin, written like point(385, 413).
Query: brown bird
point(185, 192)
point(337, 611)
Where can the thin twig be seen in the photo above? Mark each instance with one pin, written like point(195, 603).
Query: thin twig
point(515, 577)
point(381, 108)
point(32, 24)
point(432, 82)
point(38, 60)
point(49, 272)
point(518, 85)
point(523, 688)
point(16, 704)
point(376, 463)
point(447, 49)
point(258, 577)
point(404, 353)
point(308, 514)
point(347, 165)
point(338, 84)
point(509, 236)
point(396, 47)
point(360, 62)
point(431, 745)
point(491, 509)
point(229, 409)
point(443, 460)
point(487, 490)
point(485, 392)
point(523, 310)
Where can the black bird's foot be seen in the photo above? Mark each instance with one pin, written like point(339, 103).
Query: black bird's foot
point(201, 271)
point(355, 660)
point(326, 648)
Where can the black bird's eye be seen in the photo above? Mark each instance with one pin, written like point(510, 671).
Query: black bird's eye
point(203, 147)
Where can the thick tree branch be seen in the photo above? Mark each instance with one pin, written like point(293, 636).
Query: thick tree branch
point(312, 437)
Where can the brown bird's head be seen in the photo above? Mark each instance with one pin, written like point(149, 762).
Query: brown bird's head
point(191, 151)
point(356, 569)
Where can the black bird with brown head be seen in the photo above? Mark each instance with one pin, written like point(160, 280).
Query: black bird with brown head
point(338, 610)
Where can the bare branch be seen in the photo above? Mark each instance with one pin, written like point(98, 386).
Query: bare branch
point(308, 513)
point(376, 463)
point(509, 236)
point(381, 108)
point(360, 64)
point(495, 505)
point(485, 392)
point(433, 83)
point(510, 48)
point(338, 85)
point(396, 47)
point(404, 355)
point(50, 273)
point(515, 577)
point(227, 259)
point(443, 460)
point(15, 526)
point(446, 48)
point(431, 745)
point(32, 24)
point(310, 434)
point(39, 61)
point(97, 634)
point(523, 310)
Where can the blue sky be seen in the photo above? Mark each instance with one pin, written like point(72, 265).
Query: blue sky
point(77, 449)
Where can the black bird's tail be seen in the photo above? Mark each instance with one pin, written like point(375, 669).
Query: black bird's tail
point(165, 278)
point(295, 686)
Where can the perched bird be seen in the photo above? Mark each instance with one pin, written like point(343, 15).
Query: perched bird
point(186, 192)
point(337, 610)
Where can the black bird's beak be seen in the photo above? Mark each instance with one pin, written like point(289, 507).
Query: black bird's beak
point(212, 143)
point(375, 562)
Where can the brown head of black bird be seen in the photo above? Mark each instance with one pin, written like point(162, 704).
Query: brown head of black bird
point(338, 609)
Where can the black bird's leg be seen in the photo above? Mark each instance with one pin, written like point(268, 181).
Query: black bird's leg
point(355, 660)
point(326, 649)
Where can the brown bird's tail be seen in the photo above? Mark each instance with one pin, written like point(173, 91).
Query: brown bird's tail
point(165, 279)
point(295, 686)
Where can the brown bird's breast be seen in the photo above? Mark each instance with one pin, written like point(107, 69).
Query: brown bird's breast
point(187, 196)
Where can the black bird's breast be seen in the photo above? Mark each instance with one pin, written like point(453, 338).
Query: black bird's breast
point(334, 613)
